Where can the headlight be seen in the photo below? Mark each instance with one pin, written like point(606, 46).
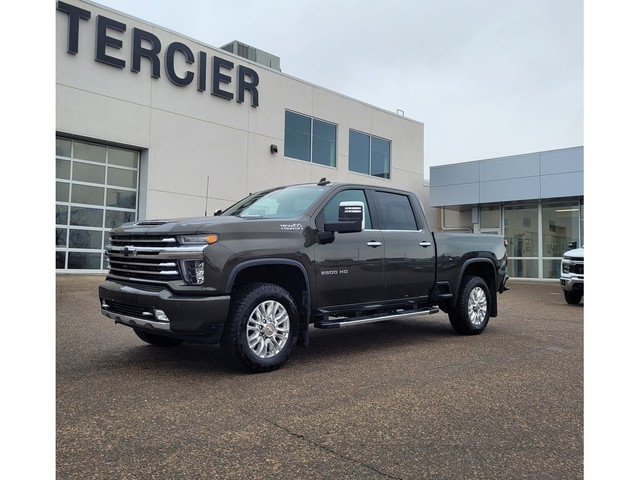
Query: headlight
point(201, 239)
point(193, 271)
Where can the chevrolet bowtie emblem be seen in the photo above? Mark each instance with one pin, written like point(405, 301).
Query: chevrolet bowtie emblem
point(129, 251)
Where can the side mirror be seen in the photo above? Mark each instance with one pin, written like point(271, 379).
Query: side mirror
point(217, 212)
point(350, 218)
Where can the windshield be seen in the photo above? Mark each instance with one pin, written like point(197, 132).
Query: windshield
point(289, 202)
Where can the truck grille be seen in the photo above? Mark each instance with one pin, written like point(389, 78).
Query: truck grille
point(144, 257)
point(143, 241)
point(578, 268)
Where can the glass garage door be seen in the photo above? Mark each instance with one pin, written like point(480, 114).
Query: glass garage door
point(96, 190)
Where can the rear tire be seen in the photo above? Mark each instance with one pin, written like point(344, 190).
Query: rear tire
point(470, 314)
point(262, 327)
point(159, 340)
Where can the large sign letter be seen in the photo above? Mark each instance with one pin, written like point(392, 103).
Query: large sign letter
point(150, 53)
point(103, 41)
point(250, 85)
point(75, 14)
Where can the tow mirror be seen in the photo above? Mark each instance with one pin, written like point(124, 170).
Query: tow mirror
point(350, 218)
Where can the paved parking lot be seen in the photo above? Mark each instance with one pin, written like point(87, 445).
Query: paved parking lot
point(406, 399)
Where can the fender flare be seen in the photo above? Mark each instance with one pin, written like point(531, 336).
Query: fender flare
point(305, 315)
point(493, 291)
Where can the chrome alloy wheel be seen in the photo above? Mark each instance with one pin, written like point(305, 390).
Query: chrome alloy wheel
point(477, 306)
point(268, 329)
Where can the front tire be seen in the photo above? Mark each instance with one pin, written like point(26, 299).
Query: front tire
point(572, 298)
point(470, 315)
point(262, 327)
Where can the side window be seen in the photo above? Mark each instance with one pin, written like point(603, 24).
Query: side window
point(395, 212)
point(330, 211)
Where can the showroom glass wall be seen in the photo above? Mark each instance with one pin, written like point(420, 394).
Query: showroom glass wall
point(538, 233)
point(96, 190)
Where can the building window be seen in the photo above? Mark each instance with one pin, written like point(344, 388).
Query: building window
point(96, 190)
point(309, 139)
point(521, 231)
point(560, 232)
point(490, 218)
point(369, 155)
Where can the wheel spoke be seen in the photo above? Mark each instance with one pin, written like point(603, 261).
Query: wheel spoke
point(477, 306)
point(268, 329)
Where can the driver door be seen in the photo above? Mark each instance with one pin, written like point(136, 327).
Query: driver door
point(349, 270)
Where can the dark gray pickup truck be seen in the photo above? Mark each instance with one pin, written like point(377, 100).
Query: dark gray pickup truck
point(255, 276)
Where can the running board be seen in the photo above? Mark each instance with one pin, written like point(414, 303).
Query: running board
point(343, 322)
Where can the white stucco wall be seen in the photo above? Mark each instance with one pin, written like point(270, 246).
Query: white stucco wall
point(186, 135)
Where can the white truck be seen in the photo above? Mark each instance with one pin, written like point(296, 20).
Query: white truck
point(572, 276)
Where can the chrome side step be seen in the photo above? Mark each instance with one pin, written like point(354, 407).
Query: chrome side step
point(348, 321)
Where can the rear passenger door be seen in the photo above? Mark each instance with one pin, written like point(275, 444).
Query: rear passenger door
point(409, 265)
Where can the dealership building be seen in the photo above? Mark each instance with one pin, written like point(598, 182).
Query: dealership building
point(535, 200)
point(152, 124)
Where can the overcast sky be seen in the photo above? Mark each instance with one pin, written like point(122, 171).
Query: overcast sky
point(487, 78)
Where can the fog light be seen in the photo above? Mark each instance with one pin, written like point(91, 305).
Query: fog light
point(160, 315)
point(193, 271)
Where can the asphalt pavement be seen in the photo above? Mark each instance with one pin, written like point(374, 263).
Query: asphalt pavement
point(404, 399)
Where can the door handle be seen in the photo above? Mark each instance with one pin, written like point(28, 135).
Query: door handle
point(425, 244)
point(374, 244)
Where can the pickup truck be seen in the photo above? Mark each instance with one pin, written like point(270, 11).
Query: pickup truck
point(572, 275)
point(256, 276)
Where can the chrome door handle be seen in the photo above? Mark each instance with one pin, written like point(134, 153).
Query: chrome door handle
point(374, 244)
point(425, 244)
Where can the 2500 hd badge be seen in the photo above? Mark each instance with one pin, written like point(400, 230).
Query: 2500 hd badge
point(255, 277)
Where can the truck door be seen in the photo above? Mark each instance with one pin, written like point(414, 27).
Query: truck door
point(350, 269)
point(409, 251)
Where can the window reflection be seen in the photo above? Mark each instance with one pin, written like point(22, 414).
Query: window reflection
point(84, 261)
point(521, 230)
point(86, 217)
point(113, 218)
point(121, 198)
point(309, 139)
point(91, 239)
point(369, 155)
point(560, 228)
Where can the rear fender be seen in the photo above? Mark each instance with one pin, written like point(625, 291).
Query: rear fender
point(485, 269)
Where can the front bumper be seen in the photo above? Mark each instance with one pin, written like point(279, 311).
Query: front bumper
point(156, 309)
point(572, 284)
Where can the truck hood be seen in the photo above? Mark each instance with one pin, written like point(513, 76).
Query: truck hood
point(575, 253)
point(175, 226)
point(186, 226)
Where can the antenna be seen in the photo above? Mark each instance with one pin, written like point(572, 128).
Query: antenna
point(206, 199)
